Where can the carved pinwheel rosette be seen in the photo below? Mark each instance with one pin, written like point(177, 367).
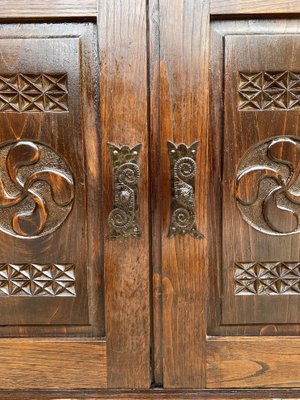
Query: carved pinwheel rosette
point(268, 186)
point(36, 189)
point(123, 218)
point(183, 171)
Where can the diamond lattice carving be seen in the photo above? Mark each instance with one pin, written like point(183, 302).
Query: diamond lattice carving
point(37, 280)
point(269, 90)
point(33, 93)
point(267, 278)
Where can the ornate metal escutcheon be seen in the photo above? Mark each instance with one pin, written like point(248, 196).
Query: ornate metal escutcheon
point(183, 171)
point(123, 218)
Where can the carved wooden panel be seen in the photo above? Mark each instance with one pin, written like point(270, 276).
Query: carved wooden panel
point(27, 207)
point(268, 186)
point(33, 93)
point(256, 147)
point(37, 280)
point(269, 90)
point(267, 278)
point(49, 255)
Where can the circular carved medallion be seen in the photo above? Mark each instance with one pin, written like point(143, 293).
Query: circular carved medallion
point(268, 186)
point(36, 189)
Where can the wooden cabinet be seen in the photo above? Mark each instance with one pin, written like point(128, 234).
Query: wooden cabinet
point(149, 211)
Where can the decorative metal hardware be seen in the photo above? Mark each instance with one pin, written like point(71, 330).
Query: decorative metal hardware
point(183, 171)
point(123, 218)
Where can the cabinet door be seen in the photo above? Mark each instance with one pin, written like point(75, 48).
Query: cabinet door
point(231, 295)
point(52, 289)
point(51, 273)
point(255, 111)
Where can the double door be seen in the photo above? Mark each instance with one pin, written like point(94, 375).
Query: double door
point(149, 212)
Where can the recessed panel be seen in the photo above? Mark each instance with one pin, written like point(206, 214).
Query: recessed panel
point(44, 186)
point(261, 180)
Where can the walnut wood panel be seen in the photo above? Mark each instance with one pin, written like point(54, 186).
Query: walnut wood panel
point(35, 364)
point(48, 8)
point(258, 228)
point(123, 96)
point(223, 7)
point(253, 362)
point(36, 147)
point(265, 248)
point(155, 393)
point(183, 119)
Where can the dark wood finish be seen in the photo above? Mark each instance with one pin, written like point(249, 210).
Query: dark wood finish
point(36, 364)
point(160, 394)
point(183, 118)
point(44, 133)
point(155, 193)
point(37, 9)
point(253, 362)
point(235, 7)
point(144, 103)
point(261, 125)
point(241, 242)
point(243, 361)
point(122, 41)
point(52, 138)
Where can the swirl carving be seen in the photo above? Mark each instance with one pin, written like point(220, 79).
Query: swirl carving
point(268, 186)
point(36, 189)
point(183, 170)
point(123, 218)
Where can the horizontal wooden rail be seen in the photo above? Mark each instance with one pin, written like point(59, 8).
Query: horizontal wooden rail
point(47, 8)
point(225, 7)
point(251, 362)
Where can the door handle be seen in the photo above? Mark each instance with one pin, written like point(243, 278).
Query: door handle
point(123, 218)
point(182, 172)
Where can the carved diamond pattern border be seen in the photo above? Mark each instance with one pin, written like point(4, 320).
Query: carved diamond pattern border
point(267, 90)
point(37, 280)
point(267, 278)
point(33, 93)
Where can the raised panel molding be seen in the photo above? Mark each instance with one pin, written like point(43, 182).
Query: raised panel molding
point(255, 161)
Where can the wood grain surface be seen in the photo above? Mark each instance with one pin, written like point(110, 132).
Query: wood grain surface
point(47, 9)
point(155, 394)
point(253, 362)
point(33, 57)
point(225, 7)
point(283, 123)
point(33, 51)
point(247, 361)
point(242, 242)
point(52, 364)
point(183, 117)
point(123, 95)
